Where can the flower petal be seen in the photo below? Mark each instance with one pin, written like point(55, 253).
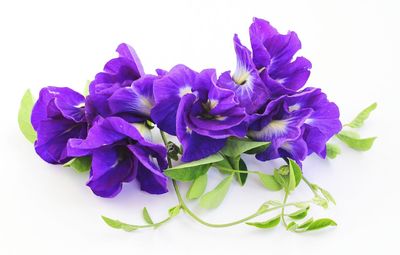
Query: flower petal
point(175, 84)
point(53, 136)
point(111, 166)
point(104, 132)
point(164, 115)
point(245, 82)
point(195, 146)
point(150, 169)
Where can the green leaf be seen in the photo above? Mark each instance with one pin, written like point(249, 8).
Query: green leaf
point(327, 195)
point(306, 223)
point(119, 225)
point(280, 179)
point(223, 164)
point(358, 121)
point(81, 164)
point(301, 204)
point(215, 197)
point(300, 214)
point(292, 226)
point(24, 117)
point(353, 141)
point(320, 223)
point(174, 211)
point(273, 203)
point(197, 188)
point(291, 182)
point(146, 216)
point(269, 181)
point(266, 224)
point(235, 147)
point(295, 168)
point(263, 208)
point(242, 177)
point(321, 202)
point(192, 170)
point(332, 150)
point(86, 88)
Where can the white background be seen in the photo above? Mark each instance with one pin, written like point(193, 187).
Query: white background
point(353, 46)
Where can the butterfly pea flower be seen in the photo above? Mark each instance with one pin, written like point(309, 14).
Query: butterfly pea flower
point(322, 124)
point(120, 154)
point(249, 88)
point(118, 73)
point(283, 128)
point(207, 117)
point(57, 116)
point(168, 92)
point(273, 55)
point(296, 125)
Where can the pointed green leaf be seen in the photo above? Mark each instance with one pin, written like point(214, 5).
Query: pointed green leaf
point(263, 208)
point(242, 177)
point(273, 203)
point(146, 216)
point(174, 211)
point(192, 170)
point(353, 141)
point(293, 166)
point(24, 117)
point(300, 214)
point(215, 197)
point(280, 179)
point(320, 223)
point(187, 174)
point(269, 181)
point(197, 188)
point(306, 223)
point(332, 150)
point(119, 225)
point(292, 226)
point(327, 195)
point(321, 202)
point(235, 147)
point(291, 181)
point(266, 224)
point(358, 121)
point(223, 164)
point(301, 204)
point(81, 164)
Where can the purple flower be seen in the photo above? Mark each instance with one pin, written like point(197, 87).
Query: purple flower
point(273, 56)
point(249, 88)
point(207, 117)
point(296, 125)
point(120, 154)
point(118, 72)
point(125, 76)
point(201, 114)
point(57, 116)
point(168, 92)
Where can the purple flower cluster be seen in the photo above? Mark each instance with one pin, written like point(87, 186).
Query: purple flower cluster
point(262, 100)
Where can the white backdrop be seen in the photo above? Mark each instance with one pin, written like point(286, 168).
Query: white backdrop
point(353, 46)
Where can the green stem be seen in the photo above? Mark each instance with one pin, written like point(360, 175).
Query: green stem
point(155, 224)
point(283, 209)
point(165, 140)
point(186, 209)
point(194, 216)
point(310, 185)
point(237, 170)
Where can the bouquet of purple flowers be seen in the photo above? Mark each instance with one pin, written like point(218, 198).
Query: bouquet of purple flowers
point(261, 108)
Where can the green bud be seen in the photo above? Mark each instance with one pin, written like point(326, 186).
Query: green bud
point(283, 170)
